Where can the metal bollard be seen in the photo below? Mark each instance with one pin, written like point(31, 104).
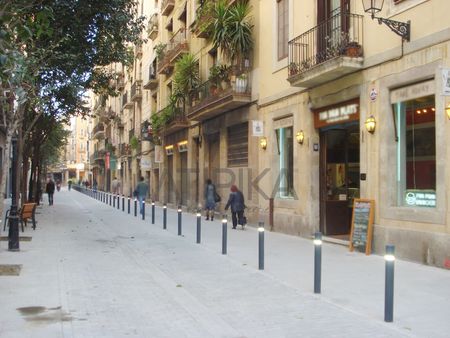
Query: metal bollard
point(123, 203)
point(261, 245)
point(110, 199)
point(153, 212)
point(389, 284)
point(199, 226)
point(224, 234)
point(114, 201)
point(164, 216)
point(135, 207)
point(179, 220)
point(317, 261)
point(129, 202)
point(143, 210)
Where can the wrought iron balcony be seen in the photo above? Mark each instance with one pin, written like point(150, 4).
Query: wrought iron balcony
point(125, 103)
point(212, 99)
point(136, 92)
point(167, 7)
point(98, 132)
point(153, 79)
point(177, 45)
point(153, 26)
point(326, 52)
point(203, 20)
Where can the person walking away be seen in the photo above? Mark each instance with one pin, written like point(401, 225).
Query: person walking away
point(211, 198)
point(94, 185)
point(237, 204)
point(141, 192)
point(50, 190)
point(58, 185)
point(69, 184)
point(115, 186)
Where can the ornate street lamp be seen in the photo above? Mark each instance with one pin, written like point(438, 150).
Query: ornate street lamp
point(400, 28)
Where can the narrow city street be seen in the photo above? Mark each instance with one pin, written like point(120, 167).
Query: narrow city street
point(94, 271)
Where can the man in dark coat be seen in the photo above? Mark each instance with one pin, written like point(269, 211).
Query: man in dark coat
point(50, 190)
point(236, 201)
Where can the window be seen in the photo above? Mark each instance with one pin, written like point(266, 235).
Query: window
point(416, 152)
point(238, 145)
point(282, 28)
point(285, 149)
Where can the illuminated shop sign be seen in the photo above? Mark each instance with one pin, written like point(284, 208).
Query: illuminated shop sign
point(338, 114)
point(420, 198)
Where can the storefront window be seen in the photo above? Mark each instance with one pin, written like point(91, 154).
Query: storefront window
point(286, 162)
point(416, 152)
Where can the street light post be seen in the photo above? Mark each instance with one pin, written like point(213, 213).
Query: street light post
point(13, 234)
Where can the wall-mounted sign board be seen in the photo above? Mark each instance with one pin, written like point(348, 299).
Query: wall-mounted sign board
point(362, 225)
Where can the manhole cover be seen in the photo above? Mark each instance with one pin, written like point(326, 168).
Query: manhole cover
point(10, 269)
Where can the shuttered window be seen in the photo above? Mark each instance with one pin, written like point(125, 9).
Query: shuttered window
point(238, 145)
point(283, 28)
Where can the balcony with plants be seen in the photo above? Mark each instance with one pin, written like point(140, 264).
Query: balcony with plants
point(153, 79)
point(167, 54)
point(203, 19)
point(167, 7)
point(136, 91)
point(228, 86)
point(326, 52)
point(153, 27)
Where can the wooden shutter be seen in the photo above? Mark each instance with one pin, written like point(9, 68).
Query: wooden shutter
point(282, 28)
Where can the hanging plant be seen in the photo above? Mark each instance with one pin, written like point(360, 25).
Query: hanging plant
point(134, 142)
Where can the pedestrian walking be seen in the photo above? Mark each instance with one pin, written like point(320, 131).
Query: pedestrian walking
point(50, 190)
point(211, 198)
point(69, 184)
point(237, 204)
point(141, 192)
point(115, 186)
point(94, 184)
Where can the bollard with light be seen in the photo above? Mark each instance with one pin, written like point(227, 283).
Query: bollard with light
point(199, 226)
point(114, 201)
point(135, 207)
point(118, 202)
point(164, 216)
point(129, 206)
point(179, 220)
point(224, 234)
point(317, 261)
point(261, 245)
point(389, 284)
point(143, 209)
point(123, 203)
point(153, 212)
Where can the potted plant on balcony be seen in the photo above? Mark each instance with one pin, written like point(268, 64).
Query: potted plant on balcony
point(160, 50)
point(353, 49)
point(293, 68)
point(186, 78)
point(214, 79)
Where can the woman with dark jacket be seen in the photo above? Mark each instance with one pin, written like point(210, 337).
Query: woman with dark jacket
point(236, 201)
point(210, 199)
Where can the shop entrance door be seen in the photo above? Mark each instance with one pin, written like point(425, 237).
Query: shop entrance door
point(339, 178)
point(184, 177)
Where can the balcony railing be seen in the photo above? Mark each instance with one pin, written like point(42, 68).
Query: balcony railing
point(124, 149)
point(153, 26)
point(212, 99)
point(125, 102)
point(153, 80)
point(136, 93)
point(176, 46)
point(339, 36)
point(167, 7)
point(98, 131)
point(203, 20)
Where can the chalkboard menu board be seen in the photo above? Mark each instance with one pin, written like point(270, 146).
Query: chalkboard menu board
point(362, 222)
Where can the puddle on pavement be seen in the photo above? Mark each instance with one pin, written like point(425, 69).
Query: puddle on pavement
point(10, 269)
point(41, 314)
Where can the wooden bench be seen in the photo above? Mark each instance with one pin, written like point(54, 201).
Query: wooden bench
point(25, 213)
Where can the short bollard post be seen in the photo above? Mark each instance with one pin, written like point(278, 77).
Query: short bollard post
point(129, 202)
point(143, 210)
point(135, 207)
point(389, 284)
point(153, 212)
point(164, 216)
point(118, 202)
point(179, 220)
point(224, 235)
point(123, 203)
point(114, 201)
point(317, 261)
point(261, 245)
point(110, 199)
point(199, 226)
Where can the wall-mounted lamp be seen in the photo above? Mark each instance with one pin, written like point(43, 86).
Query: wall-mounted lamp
point(263, 143)
point(300, 137)
point(447, 110)
point(399, 28)
point(371, 124)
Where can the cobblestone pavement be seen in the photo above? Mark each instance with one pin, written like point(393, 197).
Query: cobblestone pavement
point(94, 271)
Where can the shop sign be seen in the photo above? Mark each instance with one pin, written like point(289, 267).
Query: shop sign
point(413, 92)
point(373, 95)
point(158, 154)
point(335, 115)
point(446, 82)
point(420, 198)
point(146, 163)
point(258, 128)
